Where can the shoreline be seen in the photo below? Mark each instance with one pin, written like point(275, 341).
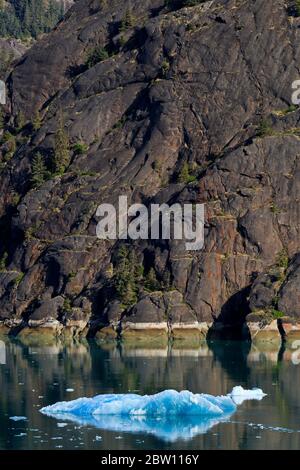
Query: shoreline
point(281, 331)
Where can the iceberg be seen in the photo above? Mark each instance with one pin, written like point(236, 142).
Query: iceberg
point(169, 415)
point(167, 403)
point(239, 395)
point(18, 418)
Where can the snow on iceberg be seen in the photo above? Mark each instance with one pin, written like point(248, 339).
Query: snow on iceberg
point(168, 415)
point(239, 395)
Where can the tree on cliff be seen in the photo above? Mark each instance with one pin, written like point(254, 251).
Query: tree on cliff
point(128, 273)
point(23, 18)
point(39, 171)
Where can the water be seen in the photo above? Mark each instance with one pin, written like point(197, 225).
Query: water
point(33, 376)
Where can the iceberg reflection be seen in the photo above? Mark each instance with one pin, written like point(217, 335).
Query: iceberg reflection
point(167, 429)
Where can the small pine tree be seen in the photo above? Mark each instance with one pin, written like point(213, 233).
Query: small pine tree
point(80, 148)
point(39, 171)
point(99, 54)
point(184, 173)
point(264, 128)
point(3, 261)
point(125, 278)
point(129, 21)
point(67, 307)
point(36, 121)
point(11, 144)
point(151, 282)
point(165, 67)
point(1, 120)
point(61, 148)
point(20, 121)
point(185, 176)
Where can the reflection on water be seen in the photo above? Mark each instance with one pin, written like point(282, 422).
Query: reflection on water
point(168, 430)
point(35, 376)
point(2, 352)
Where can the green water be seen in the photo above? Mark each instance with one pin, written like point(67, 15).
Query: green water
point(32, 376)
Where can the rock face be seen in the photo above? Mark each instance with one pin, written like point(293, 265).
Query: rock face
point(203, 90)
point(290, 291)
point(10, 51)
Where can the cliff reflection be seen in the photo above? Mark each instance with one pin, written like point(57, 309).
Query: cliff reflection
point(32, 376)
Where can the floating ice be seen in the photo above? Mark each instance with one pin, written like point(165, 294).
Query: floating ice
point(18, 418)
point(169, 415)
point(166, 403)
point(239, 395)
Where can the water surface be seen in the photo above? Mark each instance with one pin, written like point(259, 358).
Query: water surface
point(33, 376)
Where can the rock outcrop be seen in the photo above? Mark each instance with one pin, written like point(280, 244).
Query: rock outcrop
point(163, 103)
point(11, 50)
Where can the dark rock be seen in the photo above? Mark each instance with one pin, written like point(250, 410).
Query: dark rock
point(49, 309)
point(113, 312)
point(262, 293)
point(289, 301)
point(150, 309)
point(189, 86)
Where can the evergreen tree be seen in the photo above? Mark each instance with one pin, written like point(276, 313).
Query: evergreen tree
point(20, 120)
point(1, 120)
point(3, 261)
point(185, 176)
point(184, 173)
point(151, 282)
point(129, 21)
point(125, 278)
point(97, 55)
point(39, 171)
point(11, 145)
point(23, 18)
point(36, 121)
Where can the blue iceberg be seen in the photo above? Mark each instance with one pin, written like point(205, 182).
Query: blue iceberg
point(169, 415)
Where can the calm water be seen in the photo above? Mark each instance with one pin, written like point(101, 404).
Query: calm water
point(35, 376)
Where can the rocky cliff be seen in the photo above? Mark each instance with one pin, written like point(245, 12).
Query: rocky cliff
point(162, 101)
point(10, 50)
